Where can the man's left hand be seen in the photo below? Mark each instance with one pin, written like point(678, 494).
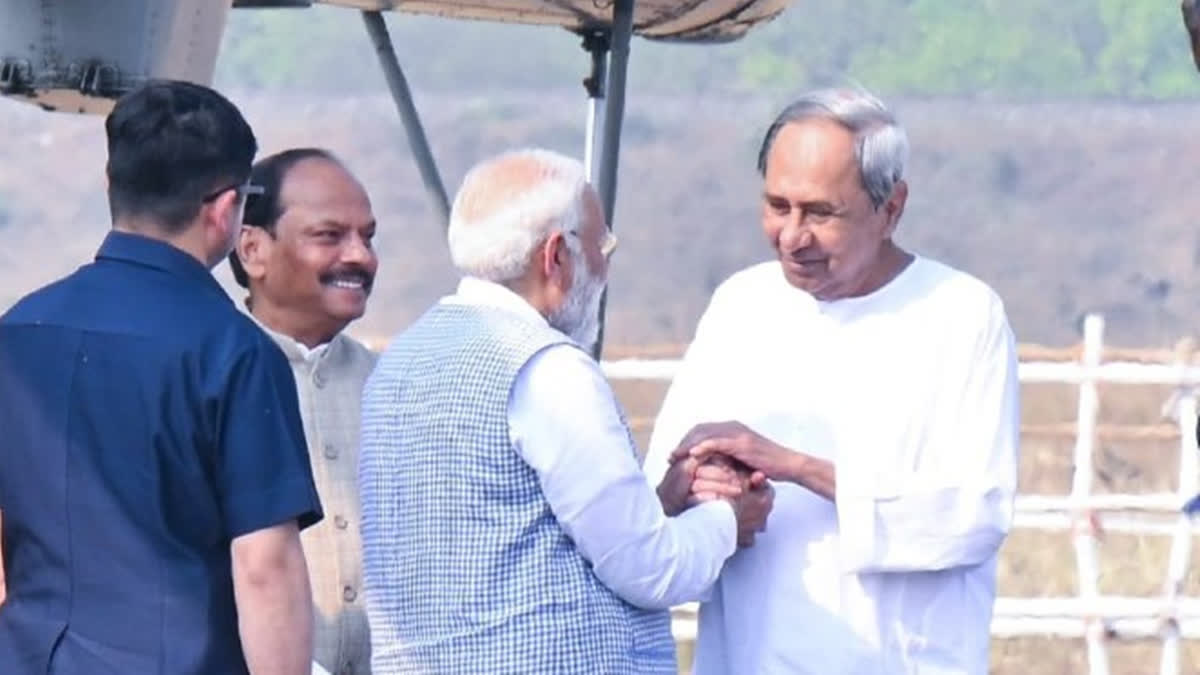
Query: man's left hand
point(737, 441)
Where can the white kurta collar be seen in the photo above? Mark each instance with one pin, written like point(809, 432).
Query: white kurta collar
point(475, 291)
point(293, 349)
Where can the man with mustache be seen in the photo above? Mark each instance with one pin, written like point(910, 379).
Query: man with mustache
point(305, 254)
point(878, 389)
point(507, 526)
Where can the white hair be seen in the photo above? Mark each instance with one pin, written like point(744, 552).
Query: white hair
point(880, 143)
point(508, 205)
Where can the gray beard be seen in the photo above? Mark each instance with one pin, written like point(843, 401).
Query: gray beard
point(579, 317)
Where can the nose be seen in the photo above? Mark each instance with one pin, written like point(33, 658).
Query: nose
point(358, 251)
point(795, 236)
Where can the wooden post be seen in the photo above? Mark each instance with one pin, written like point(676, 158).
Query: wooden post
point(1181, 541)
point(1081, 486)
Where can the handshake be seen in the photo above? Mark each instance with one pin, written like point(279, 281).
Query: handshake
point(723, 461)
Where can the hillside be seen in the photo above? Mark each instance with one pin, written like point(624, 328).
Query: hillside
point(1063, 207)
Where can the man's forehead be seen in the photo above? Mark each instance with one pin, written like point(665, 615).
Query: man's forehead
point(316, 185)
point(826, 138)
point(814, 147)
point(315, 173)
point(591, 201)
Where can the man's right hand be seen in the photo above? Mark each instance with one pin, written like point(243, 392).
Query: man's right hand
point(752, 503)
point(752, 509)
point(274, 600)
point(684, 479)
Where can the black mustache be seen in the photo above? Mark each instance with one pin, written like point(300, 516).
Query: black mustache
point(349, 271)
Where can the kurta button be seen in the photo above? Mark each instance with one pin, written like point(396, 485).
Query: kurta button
point(330, 451)
point(348, 594)
point(319, 380)
point(340, 522)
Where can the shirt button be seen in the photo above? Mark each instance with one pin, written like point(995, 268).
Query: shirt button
point(331, 452)
point(319, 380)
point(340, 522)
point(349, 594)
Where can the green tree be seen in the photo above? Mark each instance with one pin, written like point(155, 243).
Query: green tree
point(1146, 54)
point(998, 48)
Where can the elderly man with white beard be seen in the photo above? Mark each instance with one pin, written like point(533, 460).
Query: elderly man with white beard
point(507, 526)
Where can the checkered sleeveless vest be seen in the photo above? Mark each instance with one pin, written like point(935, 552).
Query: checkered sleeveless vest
point(466, 568)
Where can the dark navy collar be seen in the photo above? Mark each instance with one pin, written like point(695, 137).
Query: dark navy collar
point(149, 252)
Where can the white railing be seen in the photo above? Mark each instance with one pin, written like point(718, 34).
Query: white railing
point(1094, 617)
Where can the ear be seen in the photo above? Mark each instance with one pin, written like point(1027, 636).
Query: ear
point(553, 257)
point(894, 207)
point(252, 251)
point(219, 214)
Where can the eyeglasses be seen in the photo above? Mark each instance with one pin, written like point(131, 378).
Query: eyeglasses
point(243, 190)
point(609, 244)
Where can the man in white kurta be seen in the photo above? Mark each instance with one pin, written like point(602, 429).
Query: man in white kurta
point(885, 412)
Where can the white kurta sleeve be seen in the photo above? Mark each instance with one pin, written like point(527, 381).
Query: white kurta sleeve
point(565, 422)
point(691, 397)
point(956, 507)
point(680, 411)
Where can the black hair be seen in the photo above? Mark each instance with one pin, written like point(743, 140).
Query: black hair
point(171, 146)
point(265, 209)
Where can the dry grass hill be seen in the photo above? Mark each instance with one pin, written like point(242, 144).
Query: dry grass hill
point(1063, 207)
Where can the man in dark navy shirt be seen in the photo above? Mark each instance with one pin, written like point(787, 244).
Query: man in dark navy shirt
point(153, 469)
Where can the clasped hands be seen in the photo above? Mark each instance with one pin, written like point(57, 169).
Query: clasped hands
point(724, 460)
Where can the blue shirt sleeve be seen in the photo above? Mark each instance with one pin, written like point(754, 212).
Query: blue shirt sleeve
point(263, 473)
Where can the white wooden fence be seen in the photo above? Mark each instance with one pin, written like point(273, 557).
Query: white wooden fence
point(1094, 617)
